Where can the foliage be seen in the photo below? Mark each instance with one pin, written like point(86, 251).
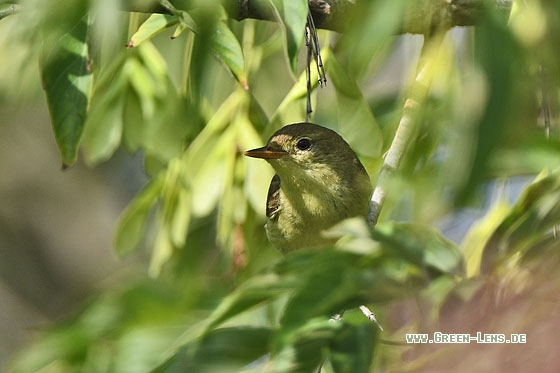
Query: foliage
point(219, 298)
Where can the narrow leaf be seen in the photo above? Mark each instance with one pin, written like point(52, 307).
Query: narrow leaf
point(155, 24)
point(131, 226)
point(422, 245)
point(67, 80)
point(357, 123)
point(228, 49)
point(293, 16)
point(222, 350)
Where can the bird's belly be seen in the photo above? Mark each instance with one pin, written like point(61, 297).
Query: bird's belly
point(288, 233)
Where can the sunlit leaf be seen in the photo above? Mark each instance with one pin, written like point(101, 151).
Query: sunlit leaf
point(155, 24)
point(293, 15)
point(536, 212)
point(367, 40)
point(477, 237)
point(67, 80)
point(104, 126)
point(228, 49)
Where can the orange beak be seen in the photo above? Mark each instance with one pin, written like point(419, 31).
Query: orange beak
point(265, 153)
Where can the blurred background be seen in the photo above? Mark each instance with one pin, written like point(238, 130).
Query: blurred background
point(68, 292)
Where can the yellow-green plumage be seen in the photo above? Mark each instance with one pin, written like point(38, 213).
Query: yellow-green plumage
point(320, 181)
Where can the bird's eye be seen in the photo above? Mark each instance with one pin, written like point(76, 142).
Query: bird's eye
point(303, 144)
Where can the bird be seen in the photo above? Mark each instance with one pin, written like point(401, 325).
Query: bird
point(319, 182)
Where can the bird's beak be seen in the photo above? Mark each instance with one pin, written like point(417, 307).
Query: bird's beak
point(265, 153)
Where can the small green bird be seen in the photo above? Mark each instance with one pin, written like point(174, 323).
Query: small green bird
point(319, 181)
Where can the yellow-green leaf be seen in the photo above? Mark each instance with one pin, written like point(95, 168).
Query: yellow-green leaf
point(355, 119)
point(131, 226)
point(293, 16)
point(155, 24)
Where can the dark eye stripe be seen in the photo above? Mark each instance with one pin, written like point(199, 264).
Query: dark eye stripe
point(303, 144)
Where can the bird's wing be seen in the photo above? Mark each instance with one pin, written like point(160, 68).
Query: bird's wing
point(273, 198)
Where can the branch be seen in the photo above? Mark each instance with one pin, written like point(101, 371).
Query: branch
point(9, 9)
point(407, 124)
point(421, 16)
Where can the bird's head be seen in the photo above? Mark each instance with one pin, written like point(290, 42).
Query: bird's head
point(308, 151)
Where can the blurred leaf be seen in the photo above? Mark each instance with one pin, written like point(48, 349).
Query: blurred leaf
point(370, 34)
point(222, 39)
point(534, 214)
point(227, 47)
point(209, 181)
point(181, 218)
point(331, 283)
point(352, 348)
point(67, 80)
point(155, 24)
point(292, 107)
point(477, 237)
point(104, 126)
point(502, 71)
point(135, 100)
point(303, 349)
point(222, 350)
point(163, 248)
point(132, 223)
point(257, 290)
point(422, 245)
point(293, 16)
point(528, 157)
point(356, 121)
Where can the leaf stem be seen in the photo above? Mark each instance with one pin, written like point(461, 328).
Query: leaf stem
point(408, 122)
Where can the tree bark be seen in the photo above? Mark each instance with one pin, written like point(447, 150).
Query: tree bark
point(421, 16)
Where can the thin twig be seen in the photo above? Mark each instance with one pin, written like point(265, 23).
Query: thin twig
point(407, 125)
point(9, 9)
point(316, 50)
point(313, 50)
point(308, 109)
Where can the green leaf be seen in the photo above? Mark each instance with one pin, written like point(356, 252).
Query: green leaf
point(328, 285)
point(228, 49)
point(302, 350)
point(529, 221)
point(257, 290)
point(155, 24)
point(132, 223)
point(422, 245)
point(67, 80)
point(292, 107)
point(477, 237)
point(500, 111)
point(368, 38)
point(104, 124)
point(103, 129)
point(356, 121)
point(351, 349)
point(293, 16)
point(222, 350)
